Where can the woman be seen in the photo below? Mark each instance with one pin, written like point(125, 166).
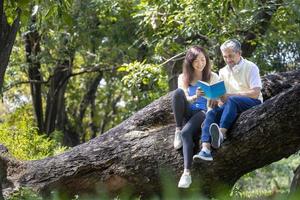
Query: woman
point(189, 106)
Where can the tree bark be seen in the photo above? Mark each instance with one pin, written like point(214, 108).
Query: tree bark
point(3, 169)
point(295, 185)
point(133, 153)
point(8, 35)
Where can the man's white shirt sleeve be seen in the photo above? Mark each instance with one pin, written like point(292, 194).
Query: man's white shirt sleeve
point(254, 78)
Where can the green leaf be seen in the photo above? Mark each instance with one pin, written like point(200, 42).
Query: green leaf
point(67, 18)
point(50, 12)
point(23, 4)
point(122, 69)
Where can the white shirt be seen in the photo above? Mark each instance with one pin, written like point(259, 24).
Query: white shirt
point(242, 77)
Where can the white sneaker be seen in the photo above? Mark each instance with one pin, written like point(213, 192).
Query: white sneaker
point(185, 180)
point(177, 140)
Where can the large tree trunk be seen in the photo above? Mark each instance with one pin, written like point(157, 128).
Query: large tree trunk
point(295, 185)
point(3, 169)
point(133, 153)
point(7, 38)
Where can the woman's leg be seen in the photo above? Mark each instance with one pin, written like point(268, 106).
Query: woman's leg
point(190, 130)
point(180, 107)
point(182, 113)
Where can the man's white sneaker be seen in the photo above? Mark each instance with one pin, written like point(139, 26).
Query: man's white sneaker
point(177, 140)
point(217, 137)
point(185, 180)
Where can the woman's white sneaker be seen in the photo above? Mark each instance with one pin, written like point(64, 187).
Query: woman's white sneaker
point(185, 180)
point(177, 140)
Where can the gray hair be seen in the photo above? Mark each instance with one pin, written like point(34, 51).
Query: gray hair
point(233, 44)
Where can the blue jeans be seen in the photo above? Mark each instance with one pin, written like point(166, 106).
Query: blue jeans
point(226, 115)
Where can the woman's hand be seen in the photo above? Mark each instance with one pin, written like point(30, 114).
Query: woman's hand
point(198, 94)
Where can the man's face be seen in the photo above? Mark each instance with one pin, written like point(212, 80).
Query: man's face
point(230, 57)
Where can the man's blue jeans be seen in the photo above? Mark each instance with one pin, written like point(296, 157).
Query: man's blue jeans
point(226, 114)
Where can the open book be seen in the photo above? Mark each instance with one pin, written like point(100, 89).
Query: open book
point(213, 91)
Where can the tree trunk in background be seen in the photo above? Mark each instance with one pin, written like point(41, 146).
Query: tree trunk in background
point(88, 99)
point(93, 125)
point(109, 114)
point(32, 47)
point(133, 153)
point(55, 97)
point(55, 116)
point(174, 68)
point(7, 38)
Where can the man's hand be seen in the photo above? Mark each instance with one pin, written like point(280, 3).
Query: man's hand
point(212, 103)
point(224, 98)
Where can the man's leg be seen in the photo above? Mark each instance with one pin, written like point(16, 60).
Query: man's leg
point(212, 116)
point(234, 106)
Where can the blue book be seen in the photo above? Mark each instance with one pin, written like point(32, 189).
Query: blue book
point(213, 91)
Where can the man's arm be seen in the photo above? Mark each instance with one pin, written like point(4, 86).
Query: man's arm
point(252, 93)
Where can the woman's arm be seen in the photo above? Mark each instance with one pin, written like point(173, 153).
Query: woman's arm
point(189, 98)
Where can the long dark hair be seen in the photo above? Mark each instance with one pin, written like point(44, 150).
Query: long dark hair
point(188, 69)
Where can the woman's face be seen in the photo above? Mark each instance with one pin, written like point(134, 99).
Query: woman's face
point(200, 62)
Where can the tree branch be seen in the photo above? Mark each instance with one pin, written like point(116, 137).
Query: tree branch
point(133, 153)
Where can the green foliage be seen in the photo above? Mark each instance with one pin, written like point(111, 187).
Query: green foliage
point(275, 177)
point(145, 82)
point(19, 134)
point(168, 26)
point(25, 194)
point(142, 77)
